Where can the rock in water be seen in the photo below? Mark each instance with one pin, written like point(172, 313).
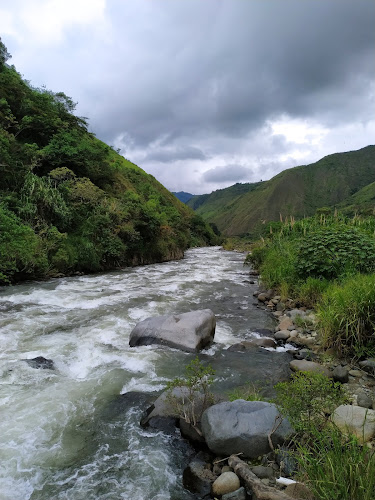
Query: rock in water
point(243, 427)
point(41, 363)
point(190, 331)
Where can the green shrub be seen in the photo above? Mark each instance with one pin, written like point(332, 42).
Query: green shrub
point(346, 314)
point(308, 399)
point(334, 251)
point(198, 397)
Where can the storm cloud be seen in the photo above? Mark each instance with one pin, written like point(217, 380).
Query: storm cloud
point(226, 174)
point(194, 92)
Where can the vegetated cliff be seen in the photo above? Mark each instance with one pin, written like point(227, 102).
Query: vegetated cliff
point(69, 202)
point(244, 208)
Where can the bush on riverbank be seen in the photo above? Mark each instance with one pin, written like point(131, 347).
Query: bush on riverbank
point(325, 262)
point(71, 199)
point(332, 465)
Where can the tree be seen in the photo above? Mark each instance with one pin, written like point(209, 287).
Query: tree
point(4, 54)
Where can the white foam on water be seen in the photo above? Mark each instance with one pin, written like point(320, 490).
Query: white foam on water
point(54, 441)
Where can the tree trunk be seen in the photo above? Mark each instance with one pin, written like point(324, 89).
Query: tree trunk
point(259, 490)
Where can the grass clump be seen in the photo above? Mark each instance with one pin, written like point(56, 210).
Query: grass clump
point(337, 468)
point(346, 314)
point(308, 400)
point(334, 466)
point(248, 393)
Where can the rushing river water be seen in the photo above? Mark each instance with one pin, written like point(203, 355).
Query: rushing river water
point(67, 433)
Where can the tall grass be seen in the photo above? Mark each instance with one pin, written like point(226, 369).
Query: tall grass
point(346, 314)
point(334, 466)
point(337, 468)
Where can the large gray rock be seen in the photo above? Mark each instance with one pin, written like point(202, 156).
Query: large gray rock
point(355, 420)
point(190, 331)
point(243, 427)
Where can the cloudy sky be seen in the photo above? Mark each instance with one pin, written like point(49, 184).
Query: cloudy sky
point(206, 93)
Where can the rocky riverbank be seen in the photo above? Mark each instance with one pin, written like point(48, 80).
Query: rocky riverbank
point(241, 447)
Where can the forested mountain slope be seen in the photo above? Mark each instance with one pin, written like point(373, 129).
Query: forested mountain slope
point(69, 202)
point(294, 192)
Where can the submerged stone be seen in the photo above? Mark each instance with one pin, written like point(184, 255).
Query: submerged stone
point(40, 363)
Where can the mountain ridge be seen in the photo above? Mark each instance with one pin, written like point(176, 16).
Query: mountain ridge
point(297, 192)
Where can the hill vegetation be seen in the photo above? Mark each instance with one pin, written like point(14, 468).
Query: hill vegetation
point(340, 180)
point(68, 202)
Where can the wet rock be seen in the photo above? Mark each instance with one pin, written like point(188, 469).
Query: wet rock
point(355, 420)
point(40, 363)
point(287, 463)
point(340, 374)
point(299, 491)
point(239, 494)
point(263, 472)
point(226, 468)
point(282, 335)
point(227, 482)
point(364, 400)
point(243, 426)
point(262, 367)
point(197, 478)
point(302, 365)
point(264, 342)
point(190, 331)
point(368, 365)
point(262, 297)
point(305, 354)
point(167, 406)
point(191, 432)
point(285, 323)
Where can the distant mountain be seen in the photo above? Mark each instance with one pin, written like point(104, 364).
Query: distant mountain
point(340, 179)
point(182, 196)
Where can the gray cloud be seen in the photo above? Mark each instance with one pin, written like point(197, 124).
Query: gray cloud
point(155, 78)
point(176, 154)
point(227, 174)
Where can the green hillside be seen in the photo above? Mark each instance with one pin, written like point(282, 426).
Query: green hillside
point(68, 202)
point(361, 202)
point(297, 191)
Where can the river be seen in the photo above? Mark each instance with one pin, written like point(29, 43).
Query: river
point(67, 433)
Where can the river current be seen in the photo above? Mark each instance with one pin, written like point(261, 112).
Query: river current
point(73, 433)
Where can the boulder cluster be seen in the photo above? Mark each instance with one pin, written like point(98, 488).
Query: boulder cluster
point(296, 327)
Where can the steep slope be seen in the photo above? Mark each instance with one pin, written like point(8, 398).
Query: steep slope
point(297, 191)
point(363, 201)
point(68, 202)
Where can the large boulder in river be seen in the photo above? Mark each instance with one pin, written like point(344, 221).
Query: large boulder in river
point(190, 331)
point(244, 427)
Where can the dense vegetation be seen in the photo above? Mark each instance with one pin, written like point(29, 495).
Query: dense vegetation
point(335, 466)
point(343, 180)
point(70, 203)
point(327, 262)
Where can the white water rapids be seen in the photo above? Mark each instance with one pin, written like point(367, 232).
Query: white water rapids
point(66, 433)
